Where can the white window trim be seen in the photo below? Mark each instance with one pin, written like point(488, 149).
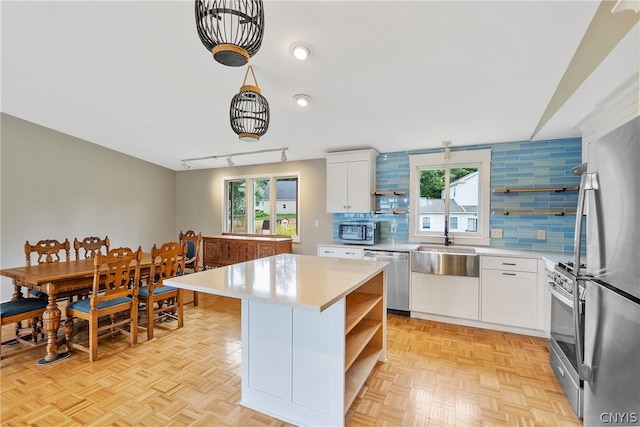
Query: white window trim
point(417, 161)
point(249, 212)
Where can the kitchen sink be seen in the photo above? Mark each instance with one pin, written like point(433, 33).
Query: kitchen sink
point(446, 260)
point(447, 249)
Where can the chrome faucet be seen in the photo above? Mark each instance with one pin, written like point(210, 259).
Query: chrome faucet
point(447, 240)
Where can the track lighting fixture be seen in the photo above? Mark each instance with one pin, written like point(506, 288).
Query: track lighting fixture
point(230, 162)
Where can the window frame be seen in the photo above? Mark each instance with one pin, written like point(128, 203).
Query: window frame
point(475, 158)
point(249, 181)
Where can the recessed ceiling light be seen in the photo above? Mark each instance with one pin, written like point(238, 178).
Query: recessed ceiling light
point(302, 99)
point(300, 50)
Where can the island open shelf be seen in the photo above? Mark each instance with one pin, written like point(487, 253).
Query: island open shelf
point(313, 329)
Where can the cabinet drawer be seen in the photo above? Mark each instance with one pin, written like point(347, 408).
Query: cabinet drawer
point(337, 252)
point(509, 263)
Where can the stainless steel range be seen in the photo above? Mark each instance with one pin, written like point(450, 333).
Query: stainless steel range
point(563, 358)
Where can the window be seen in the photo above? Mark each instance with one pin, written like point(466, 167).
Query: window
point(426, 222)
point(453, 221)
point(263, 210)
point(450, 194)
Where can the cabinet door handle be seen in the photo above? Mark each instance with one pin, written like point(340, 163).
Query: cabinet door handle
point(508, 274)
point(328, 252)
point(350, 253)
point(508, 263)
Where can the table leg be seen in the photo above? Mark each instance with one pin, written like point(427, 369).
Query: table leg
point(51, 322)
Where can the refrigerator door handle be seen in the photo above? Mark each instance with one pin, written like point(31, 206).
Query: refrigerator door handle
point(588, 182)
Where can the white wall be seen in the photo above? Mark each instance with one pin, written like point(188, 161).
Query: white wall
point(55, 186)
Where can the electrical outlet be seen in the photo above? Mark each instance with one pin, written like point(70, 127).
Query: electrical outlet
point(541, 234)
point(316, 223)
point(496, 233)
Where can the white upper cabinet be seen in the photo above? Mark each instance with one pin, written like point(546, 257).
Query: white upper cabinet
point(351, 177)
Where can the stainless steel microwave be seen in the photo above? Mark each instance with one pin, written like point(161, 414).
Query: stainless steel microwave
point(359, 232)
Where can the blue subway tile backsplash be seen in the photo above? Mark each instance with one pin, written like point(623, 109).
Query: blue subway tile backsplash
point(513, 165)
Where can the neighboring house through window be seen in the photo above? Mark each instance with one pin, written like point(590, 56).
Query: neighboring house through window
point(450, 193)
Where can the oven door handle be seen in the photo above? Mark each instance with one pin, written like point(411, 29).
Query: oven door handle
point(558, 295)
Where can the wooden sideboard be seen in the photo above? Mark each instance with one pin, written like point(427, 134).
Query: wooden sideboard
point(230, 248)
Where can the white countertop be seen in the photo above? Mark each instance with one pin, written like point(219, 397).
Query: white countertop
point(551, 257)
point(300, 281)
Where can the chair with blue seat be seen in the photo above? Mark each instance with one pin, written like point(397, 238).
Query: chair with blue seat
point(163, 302)
point(113, 301)
point(17, 311)
point(192, 261)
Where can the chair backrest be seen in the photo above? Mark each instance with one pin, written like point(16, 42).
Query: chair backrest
point(193, 242)
point(90, 246)
point(48, 250)
point(124, 251)
point(115, 276)
point(167, 261)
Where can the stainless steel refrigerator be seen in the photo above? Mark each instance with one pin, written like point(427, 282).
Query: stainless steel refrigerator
point(609, 359)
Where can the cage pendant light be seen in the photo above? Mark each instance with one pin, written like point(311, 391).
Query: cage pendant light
point(231, 29)
point(249, 112)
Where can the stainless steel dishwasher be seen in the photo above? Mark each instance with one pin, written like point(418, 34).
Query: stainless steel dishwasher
point(397, 278)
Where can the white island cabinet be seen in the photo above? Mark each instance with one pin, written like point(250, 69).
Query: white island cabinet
point(313, 329)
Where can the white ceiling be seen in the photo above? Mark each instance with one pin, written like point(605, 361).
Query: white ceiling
point(392, 75)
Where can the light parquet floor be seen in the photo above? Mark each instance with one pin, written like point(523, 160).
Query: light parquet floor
point(436, 374)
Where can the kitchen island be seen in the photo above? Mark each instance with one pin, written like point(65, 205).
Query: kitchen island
point(313, 329)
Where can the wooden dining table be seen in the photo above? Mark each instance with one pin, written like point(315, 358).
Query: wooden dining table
point(56, 280)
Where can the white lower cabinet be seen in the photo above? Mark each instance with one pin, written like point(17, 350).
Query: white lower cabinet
point(452, 296)
point(341, 252)
point(306, 367)
point(510, 291)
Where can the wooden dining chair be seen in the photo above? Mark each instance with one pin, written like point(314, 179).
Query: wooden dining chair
point(48, 251)
point(192, 261)
point(90, 246)
point(17, 311)
point(114, 295)
point(163, 302)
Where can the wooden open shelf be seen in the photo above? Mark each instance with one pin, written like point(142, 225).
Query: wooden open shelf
point(533, 190)
point(364, 335)
point(388, 192)
point(358, 374)
point(358, 306)
point(392, 211)
point(556, 213)
point(358, 339)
